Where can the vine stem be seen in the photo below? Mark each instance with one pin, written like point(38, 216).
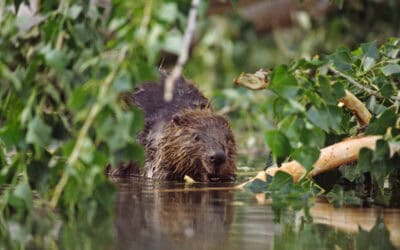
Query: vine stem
point(146, 19)
point(358, 85)
point(74, 156)
point(184, 53)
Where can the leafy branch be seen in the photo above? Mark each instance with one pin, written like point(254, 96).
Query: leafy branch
point(95, 109)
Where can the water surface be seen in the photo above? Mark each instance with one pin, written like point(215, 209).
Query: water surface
point(171, 215)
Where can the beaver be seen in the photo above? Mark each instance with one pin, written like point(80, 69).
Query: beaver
point(184, 136)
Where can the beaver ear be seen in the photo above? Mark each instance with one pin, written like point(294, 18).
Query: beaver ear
point(178, 120)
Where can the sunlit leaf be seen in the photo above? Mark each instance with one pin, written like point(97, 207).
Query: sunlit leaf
point(23, 192)
point(278, 143)
point(283, 82)
point(55, 58)
point(306, 156)
point(391, 69)
point(38, 132)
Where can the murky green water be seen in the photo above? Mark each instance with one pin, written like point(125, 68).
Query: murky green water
point(169, 215)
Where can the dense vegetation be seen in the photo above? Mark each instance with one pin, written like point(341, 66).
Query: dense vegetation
point(307, 117)
point(61, 121)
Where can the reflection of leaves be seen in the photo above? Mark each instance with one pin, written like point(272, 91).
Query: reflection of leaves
point(318, 236)
point(377, 238)
point(338, 197)
point(258, 186)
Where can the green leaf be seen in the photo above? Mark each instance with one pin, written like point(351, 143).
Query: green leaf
point(327, 117)
point(370, 50)
point(283, 82)
point(380, 125)
point(387, 90)
point(23, 192)
point(168, 12)
point(257, 186)
point(338, 197)
point(87, 150)
point(281, 180)
point(74, 11)
point(123, 82)
point(364, 163)
point(382, 151)
point(306, 156)
point(173, 42)
point(313, 137)
point(79, 98)
point(338, 90)
point(326, 90)
point(55, 58)
point(391, 69)
point(370, 55)
point(11, 134)
point(377, 238)
point(38, 132)
point(278, 143)
point(342, 59)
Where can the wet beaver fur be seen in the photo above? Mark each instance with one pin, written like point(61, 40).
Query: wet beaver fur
point(182, 137)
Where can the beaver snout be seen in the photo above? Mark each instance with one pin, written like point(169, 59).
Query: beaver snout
point(217, 158)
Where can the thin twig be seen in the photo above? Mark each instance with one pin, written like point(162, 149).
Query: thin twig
point(358, 85)
point(183, 55)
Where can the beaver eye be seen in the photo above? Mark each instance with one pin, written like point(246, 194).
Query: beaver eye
point(196, 137)
point(228, 139)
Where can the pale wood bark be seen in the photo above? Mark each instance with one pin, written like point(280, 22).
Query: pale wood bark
point(331, 157)
point(357, 107)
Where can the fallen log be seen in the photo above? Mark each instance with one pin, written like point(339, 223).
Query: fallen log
point(330, 157)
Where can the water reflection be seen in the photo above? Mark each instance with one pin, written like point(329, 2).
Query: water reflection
point(150, 216)
point(169, 215)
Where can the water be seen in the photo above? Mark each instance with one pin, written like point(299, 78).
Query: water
point(170, 215)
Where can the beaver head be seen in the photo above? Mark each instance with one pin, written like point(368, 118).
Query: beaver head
point(197, 143)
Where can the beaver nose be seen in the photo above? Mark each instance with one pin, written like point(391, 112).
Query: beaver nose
point(218, 158)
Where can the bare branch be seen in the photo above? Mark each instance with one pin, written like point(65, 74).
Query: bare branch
point(357, 107)
point(358, 85)
point(183, 55)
